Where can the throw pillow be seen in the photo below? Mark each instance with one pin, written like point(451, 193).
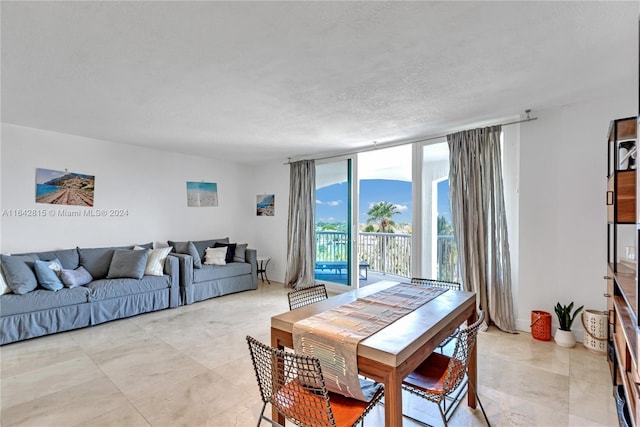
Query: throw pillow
point(155, 262)
point(97, 260)
point(128, 264)
point(215, 256)
point(18, 271)
point(47, 274)
point(74, 278)
point(231, 250)
point(187, 248)
point(201, 245)
point(4, 288)
point(240, 256)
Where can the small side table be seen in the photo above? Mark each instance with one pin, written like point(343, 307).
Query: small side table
point(262, 268)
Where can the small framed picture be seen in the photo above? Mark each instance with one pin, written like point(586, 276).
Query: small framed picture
point(265, 204)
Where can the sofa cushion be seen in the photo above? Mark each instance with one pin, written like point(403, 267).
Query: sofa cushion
point(74, 278)
point(114, 288)
point(215, 256)
point(97, 260)
point(47, 274)
point(239, 256)
point(187, 248)
point(214, 272)
point(202, 245)
point(42, 299)
point(125, 263)
point(231, 250)
point(18, 272)
point(69, 258)
point(155, 261)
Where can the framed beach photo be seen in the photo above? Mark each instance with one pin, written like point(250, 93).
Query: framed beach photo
point(64, 188)
point(265, 204)
point(200, 194)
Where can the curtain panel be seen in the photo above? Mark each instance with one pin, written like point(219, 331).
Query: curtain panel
point(301, 246)
point(479, 221)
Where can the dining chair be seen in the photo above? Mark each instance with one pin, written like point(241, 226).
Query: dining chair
point(456, 286)
point(442, 379)
point(305, 296)
point(293, 384)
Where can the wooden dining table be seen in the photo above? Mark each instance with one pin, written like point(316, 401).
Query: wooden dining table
point(393, 352)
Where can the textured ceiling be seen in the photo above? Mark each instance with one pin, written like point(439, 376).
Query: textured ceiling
point(260, 81)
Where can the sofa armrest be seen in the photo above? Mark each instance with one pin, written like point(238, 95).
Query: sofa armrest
point(171, 268)
point(251, 256)
point(185, 264)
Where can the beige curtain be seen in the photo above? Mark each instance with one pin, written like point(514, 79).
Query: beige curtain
point(301, 244)
point(479, 221)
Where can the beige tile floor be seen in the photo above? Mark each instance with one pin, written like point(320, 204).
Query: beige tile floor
point(190, 367)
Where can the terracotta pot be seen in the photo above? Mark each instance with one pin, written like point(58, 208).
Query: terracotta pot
point(564, 338)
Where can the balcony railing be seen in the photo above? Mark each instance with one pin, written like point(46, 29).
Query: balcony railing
point(386, 253)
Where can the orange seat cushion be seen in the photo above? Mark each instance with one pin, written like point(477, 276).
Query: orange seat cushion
point(296, 401)
point(431, 373)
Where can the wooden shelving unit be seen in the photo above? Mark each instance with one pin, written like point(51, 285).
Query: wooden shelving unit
point(622, 292)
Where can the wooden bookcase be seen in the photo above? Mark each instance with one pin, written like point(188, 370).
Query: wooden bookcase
point(622, 303)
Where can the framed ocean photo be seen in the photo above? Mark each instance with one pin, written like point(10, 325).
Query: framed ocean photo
point(201, 194)
point(64, 188)
point(265, 204)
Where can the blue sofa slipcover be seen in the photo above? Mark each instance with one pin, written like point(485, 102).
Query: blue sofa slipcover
point(42, 312)
point(210, 281)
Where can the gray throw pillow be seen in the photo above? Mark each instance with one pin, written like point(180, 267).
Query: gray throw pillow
point(187, 248)
point(128, 264)
point(18, 272)
point(74, 278)
point(239, 256)
point(96, 261)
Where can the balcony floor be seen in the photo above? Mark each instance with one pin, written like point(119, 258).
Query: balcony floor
point(374, 277)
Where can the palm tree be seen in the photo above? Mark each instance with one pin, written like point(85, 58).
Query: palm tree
point(382, 212)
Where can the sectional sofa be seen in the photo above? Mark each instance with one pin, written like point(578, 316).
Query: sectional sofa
point(200, 280)
point(95, 285)
point(115, 285)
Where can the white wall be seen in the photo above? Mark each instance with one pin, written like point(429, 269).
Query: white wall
point(269, 233)
point(561, 234)
point(562, 216)
point(149, 184)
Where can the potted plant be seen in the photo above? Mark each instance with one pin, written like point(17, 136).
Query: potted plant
point(564, 336)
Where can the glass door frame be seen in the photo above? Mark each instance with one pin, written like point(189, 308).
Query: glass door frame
point(352, 229)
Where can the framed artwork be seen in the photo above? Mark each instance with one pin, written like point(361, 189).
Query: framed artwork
point(200, 194)
point(64, 188)
point(265, 204)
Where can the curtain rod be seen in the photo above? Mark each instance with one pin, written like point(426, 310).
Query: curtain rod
point(398, 143)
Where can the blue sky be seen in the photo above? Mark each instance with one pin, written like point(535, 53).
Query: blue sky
point(331, 201)
point(45, 175)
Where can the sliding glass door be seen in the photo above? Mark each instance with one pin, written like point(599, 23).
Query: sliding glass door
point(385, 232)
point(439, 252)
point(334, 219)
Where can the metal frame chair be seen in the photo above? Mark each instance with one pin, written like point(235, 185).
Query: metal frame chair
point(305, 296)
point(456, 286)
point(442, 379)
point(293, 384)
